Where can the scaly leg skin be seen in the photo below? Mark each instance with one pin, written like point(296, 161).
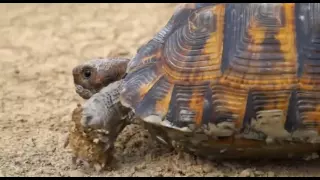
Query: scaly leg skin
point(105, 117)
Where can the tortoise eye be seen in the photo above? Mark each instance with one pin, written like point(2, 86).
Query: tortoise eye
point(87, 73)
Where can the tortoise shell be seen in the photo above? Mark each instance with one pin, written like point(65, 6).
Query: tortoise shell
point(231, 74)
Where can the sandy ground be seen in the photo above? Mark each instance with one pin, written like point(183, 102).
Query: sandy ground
point(39, 45)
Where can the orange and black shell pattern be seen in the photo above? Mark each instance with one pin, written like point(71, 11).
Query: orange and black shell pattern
point(231, 79)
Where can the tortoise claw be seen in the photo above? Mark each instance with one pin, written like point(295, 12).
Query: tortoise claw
point(97, 167)
point(85, 163)
point(76, 161)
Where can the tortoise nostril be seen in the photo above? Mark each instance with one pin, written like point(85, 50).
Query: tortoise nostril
point(88, 120)
point(85, 121)
point(75, 71)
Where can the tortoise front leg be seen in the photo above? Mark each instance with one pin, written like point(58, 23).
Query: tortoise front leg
point(101, 120)
point(104, 113)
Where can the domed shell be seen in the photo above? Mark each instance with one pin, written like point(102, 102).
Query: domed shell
point(229, 67)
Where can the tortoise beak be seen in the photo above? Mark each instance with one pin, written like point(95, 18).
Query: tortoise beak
point(124, 76)
point(76, 73)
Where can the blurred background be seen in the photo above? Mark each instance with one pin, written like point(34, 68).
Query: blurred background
point(39, 46)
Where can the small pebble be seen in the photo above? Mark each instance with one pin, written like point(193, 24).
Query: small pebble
point(75, 173)
point(270, 174)
point(245, 173)
point(214, 174)
point(96, 140)
point(198, 168)
point(191, 174)
point(141, 174)
point(207, 168)
point(158, 175)
point(158, 169)
point(141, 166)
point(314, 156)
point(311, 157)
point(259, 173)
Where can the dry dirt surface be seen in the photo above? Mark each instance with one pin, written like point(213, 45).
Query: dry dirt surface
point(39, 46)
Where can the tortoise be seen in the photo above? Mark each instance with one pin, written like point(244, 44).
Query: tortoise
point(238, 80)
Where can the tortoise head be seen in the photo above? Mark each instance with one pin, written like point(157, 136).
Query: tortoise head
point(91, 76)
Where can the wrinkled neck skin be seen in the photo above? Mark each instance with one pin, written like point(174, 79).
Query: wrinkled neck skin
point(104, 112)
